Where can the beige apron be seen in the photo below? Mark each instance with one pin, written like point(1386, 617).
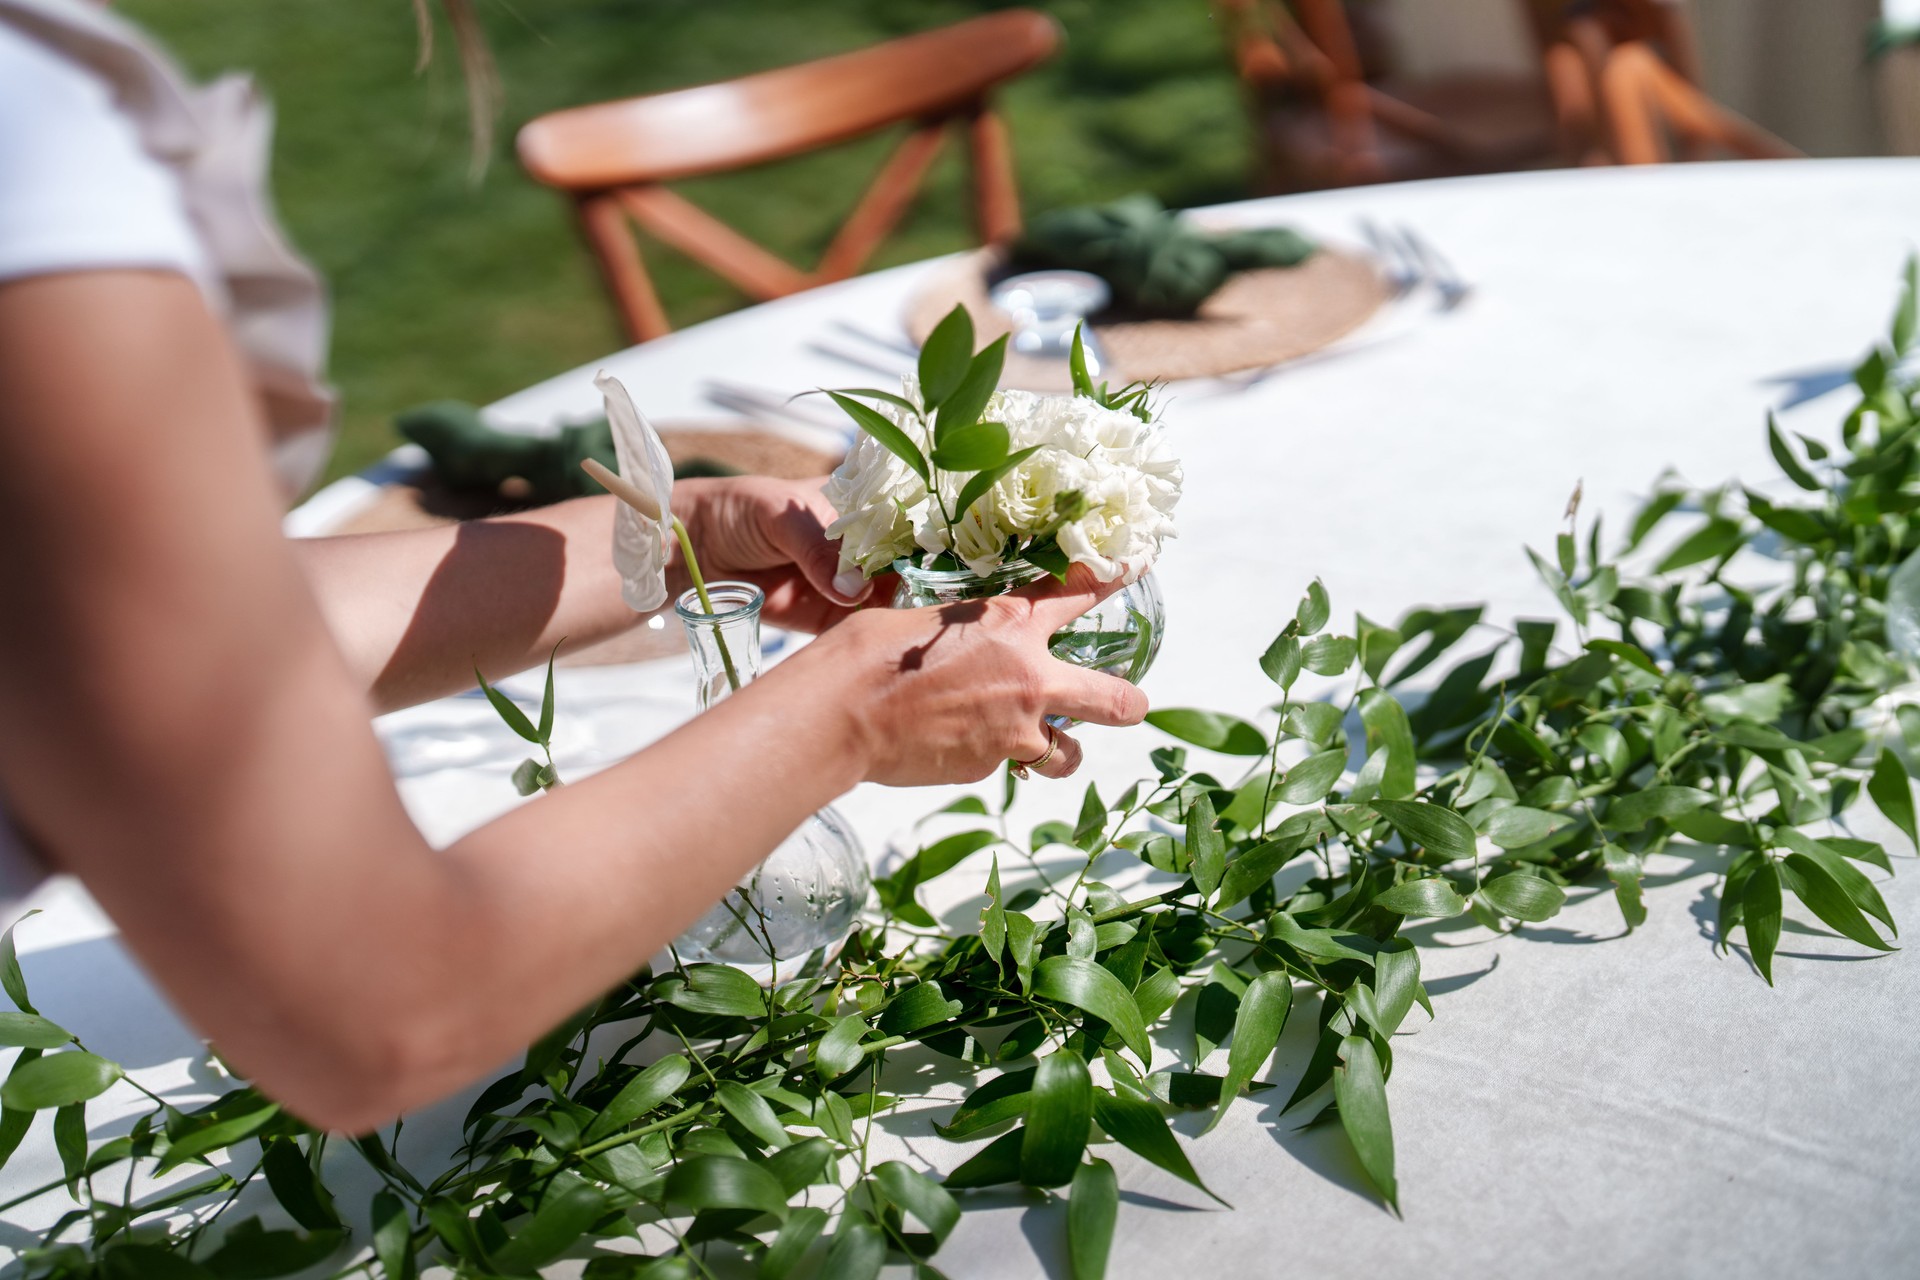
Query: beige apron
point(215, 140)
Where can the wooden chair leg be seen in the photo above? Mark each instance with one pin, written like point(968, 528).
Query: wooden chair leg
point(883, 204)
point(700, 235)
point(996, 197)
point(605, 226)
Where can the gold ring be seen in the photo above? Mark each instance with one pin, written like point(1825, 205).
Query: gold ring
point(1020, 767)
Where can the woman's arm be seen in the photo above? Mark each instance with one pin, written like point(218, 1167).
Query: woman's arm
point(184, 734)
point(414, 613)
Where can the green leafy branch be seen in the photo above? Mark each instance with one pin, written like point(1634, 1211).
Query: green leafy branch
point(1275, 863)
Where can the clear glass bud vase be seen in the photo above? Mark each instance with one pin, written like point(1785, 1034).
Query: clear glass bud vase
point(1118, 636)
point(793, 912)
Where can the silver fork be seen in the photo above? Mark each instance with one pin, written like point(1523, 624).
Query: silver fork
point(1452, 289)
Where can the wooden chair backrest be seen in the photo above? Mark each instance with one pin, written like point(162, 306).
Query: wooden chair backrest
point(614, 157)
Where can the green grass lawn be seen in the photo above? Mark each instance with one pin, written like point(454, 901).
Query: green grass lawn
point(445, 288)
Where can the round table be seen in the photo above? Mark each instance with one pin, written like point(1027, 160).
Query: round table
point(1588, 1102)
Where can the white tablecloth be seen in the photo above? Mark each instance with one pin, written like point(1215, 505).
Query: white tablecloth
point(1588, 1104)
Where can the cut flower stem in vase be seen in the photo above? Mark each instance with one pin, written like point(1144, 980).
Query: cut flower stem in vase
point(793, 912)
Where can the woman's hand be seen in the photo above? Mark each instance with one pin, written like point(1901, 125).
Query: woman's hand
point(772, 533)
point(949, 693)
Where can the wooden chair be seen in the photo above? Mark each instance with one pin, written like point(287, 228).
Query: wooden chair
point(614, 158)
point(1326, 122)
point(1652, 110)
point(1643, 65)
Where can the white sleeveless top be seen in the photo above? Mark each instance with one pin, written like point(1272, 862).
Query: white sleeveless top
point(109, 159)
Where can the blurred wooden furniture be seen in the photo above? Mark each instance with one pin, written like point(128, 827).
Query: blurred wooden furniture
point(1642, 64)
point(1652, 111)
point(614, 158)
point(1327, 118)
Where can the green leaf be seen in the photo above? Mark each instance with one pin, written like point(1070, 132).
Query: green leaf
point(213, 1137)
point(299, 1189)
point(1206, 846)
point(1524, 897)
point(1519, 826)
point(1635, 809)
point(1309, 781)
point(1717, 537)
point(1377, 644)
point(516, 718)
point(723, 1182)
point(546, 699)
point(393, 1237)
point(1624, 869)
point(974, 448)
point(1329, 655)
point(1314, 609)
point(1059, 1110)
point(792, 1243)
point(1093, 1207)
point(1386, 724)
point(896, 441)
point(526, 777)
point(1256, 1030)
point(1257, 865)
point(1760, 910)
point(58, 1080)
point(11, 979)
point(564, 1217)
point(1826, 898)
point(70, 1141)
point(1138, 1125)
point(1658, 508)
point(969, 399)
point(1783, 454)
point(977, 485)
point(642, 1094)
point(150, 1262)
point(993, 919)
point(1360, 1092)
point(1431, 896)
point(919, 1195)
point(1088, 987)
point(945, 356)
point(1313, 721)
point(838, 1051)
point(1849, 877)
point(1893, 795)
point(1632, 654)
point(751, 1112)
point(1229, 735)
point(1077, 364)
point(917, 1008)
point(31, 1031)
point(721, 989)
point(1441, 830)
point(996, 1163)
point(1283, 659)
point(859, 1250)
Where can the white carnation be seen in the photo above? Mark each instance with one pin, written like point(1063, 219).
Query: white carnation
point(1126, 478)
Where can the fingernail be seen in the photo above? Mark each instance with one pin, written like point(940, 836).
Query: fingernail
point(850, 585)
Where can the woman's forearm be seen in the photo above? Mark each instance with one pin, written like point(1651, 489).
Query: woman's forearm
point(415, 612)
point(543, 909)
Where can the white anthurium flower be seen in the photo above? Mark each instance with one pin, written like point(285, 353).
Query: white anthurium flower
point(640, 536)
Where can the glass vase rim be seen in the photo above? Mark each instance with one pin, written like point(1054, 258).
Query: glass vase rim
point(1016, 566)
point(745, 599)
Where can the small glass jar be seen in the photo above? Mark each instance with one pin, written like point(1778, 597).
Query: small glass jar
point(1118, 636)
point(791, 914)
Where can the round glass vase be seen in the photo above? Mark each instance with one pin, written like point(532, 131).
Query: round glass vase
point(1118, 636)
point(792, 913)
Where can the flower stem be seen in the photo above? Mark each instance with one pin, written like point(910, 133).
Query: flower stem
point(706, 603)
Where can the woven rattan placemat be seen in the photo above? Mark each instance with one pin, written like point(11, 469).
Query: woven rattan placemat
point(1258, 318)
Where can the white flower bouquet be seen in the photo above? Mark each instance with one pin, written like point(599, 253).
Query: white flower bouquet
point(953, 472)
